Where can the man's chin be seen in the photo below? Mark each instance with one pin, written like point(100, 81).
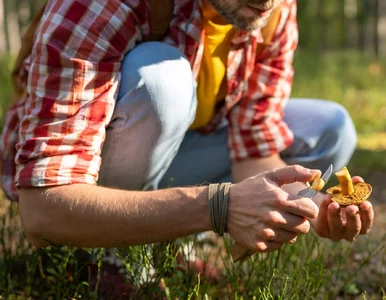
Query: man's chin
point(250, 25)
point(243, 19)
point(249, 18)
point(259, 23)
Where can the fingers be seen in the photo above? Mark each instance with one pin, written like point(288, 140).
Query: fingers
point(279, 235)
point(356, 179)
point(265, 246)
point(300, 206)
point(366, 213)
point(291, 174)
point(335, 222)
point(348, 222)
point(353, 223)
point(274, 240)
point(279, 229)
point(288, 222)
point(321, 227)
point(273, 236)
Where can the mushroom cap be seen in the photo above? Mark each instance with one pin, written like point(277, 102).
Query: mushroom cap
point(361, 193)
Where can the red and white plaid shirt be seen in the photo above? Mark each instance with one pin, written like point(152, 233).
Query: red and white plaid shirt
point(54, 136)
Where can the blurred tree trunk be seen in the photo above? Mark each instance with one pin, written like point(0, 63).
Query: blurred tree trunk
point(342, 26)
point(322, 26)
point(381, 27)
point(351, 28)
point(12, 29)
point(23, 9)
point(362, 26)
point(3, 40)
point(376, 28)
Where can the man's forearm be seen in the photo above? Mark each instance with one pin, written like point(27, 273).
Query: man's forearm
point(93, 216)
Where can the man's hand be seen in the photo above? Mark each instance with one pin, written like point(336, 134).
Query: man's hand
point(262, 216)
point(337, 223)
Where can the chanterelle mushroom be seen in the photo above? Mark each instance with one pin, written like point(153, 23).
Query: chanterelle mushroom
point(347, 192)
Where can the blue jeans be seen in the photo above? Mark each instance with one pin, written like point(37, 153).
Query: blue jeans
point(148, 144)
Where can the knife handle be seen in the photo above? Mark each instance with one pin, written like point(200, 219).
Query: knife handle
point(240, 254)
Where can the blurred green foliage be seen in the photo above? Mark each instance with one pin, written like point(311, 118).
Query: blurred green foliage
point(337, 25)
point(5, 86)
point(350, 78)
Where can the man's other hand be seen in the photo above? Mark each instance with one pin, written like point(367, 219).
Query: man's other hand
point(336, 223)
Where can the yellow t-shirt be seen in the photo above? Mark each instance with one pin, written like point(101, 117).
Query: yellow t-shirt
point(211, 80)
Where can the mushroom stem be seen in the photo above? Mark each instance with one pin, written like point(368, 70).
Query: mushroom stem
point(318, 184)
point(345, 181)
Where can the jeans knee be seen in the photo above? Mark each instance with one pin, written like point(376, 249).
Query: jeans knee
point(342, 124)
point(166, 79)
point(343, 133)
point(324, 134)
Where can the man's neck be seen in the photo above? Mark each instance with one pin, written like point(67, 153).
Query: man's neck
point(212, 14)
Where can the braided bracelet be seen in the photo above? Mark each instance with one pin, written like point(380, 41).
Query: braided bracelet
point(218, 197)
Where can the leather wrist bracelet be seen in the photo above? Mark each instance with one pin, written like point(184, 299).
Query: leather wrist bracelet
point(218, 197)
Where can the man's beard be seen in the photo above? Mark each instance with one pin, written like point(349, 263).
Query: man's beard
point(232, 15)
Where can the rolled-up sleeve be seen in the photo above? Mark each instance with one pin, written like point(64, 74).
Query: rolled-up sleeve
point(256, 126)
point(72, 86)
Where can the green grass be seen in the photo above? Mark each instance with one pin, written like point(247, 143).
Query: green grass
point(312, 268)
point(355, 81)
point(5, 84)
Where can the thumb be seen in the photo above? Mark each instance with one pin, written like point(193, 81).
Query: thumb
point(291, 174)
point(357, 179)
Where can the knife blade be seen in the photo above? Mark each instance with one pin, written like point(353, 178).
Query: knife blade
point(310, 192)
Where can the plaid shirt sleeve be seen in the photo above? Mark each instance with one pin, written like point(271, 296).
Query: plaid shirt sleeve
point(256, 126)
point(72, 85)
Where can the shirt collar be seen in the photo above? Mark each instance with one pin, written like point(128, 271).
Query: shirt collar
point(242, 36)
